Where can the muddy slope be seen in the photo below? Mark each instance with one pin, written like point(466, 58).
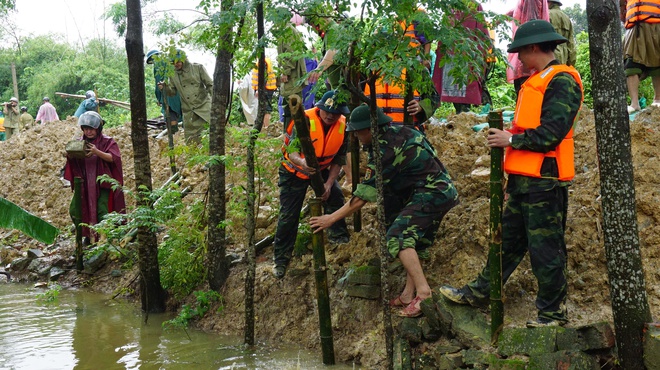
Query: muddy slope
point(286, 309)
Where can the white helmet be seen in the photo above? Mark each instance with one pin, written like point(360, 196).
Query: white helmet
point(90, 119)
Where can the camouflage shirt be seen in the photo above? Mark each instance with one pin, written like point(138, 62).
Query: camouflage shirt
point(410, 164)
point(561, 104)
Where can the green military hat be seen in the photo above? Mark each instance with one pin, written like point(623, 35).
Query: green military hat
point(361, 118)
point(150, 55)
point(535, 32)
point(330, 104)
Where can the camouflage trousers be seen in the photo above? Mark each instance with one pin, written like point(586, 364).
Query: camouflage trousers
point(413, 224)
point(534, 223)
point(292, 196)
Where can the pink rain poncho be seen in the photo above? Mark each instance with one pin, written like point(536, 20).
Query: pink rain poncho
point(526, 10)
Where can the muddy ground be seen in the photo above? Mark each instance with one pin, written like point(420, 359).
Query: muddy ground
point(285, 308)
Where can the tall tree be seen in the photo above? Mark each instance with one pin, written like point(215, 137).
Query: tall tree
point(152, 293)
point(217, 261)
point(624, 263)
point(251, 196)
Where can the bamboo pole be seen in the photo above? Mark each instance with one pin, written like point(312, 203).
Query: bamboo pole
point(322, 297)
point(301, 123)
point(495, 252)
point(170, 135)
point(117, 103)
point(76, 215)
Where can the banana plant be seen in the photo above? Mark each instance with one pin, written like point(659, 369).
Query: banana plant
point(15, 217)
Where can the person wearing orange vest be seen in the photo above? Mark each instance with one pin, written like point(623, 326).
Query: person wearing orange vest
point(641, 47)
point(390, 98)
point(327, 129)
point(539, 162)
point(271, 86)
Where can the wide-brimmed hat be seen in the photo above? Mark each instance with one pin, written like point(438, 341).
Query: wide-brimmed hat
point(555, 1)
point(329, 104)
point(535, 32)
point(361, 118)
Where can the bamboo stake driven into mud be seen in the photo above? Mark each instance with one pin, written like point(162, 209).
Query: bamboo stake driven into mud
point(301, 123)
point(495, 253)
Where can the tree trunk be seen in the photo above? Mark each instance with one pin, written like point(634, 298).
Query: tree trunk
point(250, 222)
point(151, 292)
point(624, 264)
point(380, 216)
point(217, 261)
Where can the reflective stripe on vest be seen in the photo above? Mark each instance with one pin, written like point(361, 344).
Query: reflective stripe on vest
point(389, 98)
point(647, 11)
point(326, 145)
point(528, 116)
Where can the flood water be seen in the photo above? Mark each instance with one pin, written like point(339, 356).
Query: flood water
point(83, 330)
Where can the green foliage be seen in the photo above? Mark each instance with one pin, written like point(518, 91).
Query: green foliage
point(501, 92)
point(15, 217)
point(117, 14)
point(166, 25)
point(49, 296)
point(303, 239)
point(181, 254)
point(203, 303)
point(578, 16)
point(582, 64)
point(7, 5)
point(47, 64)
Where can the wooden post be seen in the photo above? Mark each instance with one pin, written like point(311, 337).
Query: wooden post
point(495, 252)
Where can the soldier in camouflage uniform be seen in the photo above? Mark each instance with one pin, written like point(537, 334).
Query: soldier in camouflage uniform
point(534, 218)
point(418, 193)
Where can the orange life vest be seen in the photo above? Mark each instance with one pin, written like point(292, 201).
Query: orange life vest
point(528, 116)
point(391, 99)
point(647, 11)
point(326, 144)
point(271, 81)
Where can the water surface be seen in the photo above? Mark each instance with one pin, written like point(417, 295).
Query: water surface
point(84, 330)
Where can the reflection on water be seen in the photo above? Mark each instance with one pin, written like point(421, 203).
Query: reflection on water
point(85, 330)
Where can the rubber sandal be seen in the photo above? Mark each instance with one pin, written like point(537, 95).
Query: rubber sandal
point(411, 310)
point(398, 302)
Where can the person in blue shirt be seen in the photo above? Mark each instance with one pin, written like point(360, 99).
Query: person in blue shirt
point(89, 104)
point(173, 102)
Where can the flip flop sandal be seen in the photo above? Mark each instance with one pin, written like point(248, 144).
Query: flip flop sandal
point(398, 302)
point(411, 310)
